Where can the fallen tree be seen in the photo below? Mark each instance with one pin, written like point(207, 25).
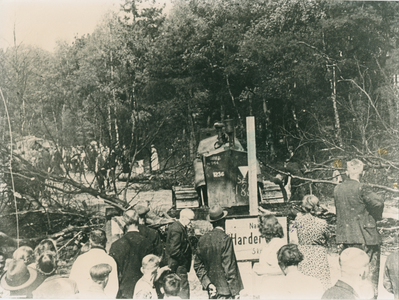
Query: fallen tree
point(392, 190)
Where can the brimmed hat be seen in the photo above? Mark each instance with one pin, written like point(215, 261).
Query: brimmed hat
point(18, 276)
point(216, 213)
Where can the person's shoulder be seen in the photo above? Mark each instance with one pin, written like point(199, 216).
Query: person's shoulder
point(147, 230)
point(320, 221)
point(348, 183)
point(207, 237)
point(119, 244)
point(141, 282)
point(176, 225)
point(109, 259)
point(142, 289)
point(80, 258)
point(214, 233)
point(121, 240)
point(300, 216)
point(332, 293)
point(340, 290)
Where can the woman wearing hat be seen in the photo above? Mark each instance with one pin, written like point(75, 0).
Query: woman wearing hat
point(313, 234)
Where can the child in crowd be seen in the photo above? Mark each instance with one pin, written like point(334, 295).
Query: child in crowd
point(24, 253)
point(171, 286)
point(144, 288)
point(100, 275)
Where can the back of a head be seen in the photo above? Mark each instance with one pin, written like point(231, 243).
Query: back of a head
point(131, 217)
point(98, 238)
point(269, 227)
point(150, 262)
point(353, 261)
point(171, 285)
point(142, 208)
point(47, 263)
point(24, 253)
point(355, 166)
point(186, 213)
point(45, 245)
point(310, 203)
point(100, 272)
point(289, 255)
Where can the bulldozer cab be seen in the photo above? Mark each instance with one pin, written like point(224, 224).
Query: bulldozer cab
point(222, 172)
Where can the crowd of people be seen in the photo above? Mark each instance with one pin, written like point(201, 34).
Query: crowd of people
point(140, 266)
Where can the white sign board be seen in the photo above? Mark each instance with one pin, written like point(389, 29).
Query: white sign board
point(246, 237)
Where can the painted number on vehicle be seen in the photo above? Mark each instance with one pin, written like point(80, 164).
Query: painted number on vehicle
point(218, 174)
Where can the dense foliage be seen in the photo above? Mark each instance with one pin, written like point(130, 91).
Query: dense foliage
point(319, 76)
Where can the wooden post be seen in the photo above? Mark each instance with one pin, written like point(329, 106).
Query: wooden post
point(252, 181)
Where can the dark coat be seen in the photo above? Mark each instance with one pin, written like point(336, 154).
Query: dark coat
point(153, 236)
point(128, 253)
point(357, 211)
point(340, 290)
point(215, 262)
point(178, 250)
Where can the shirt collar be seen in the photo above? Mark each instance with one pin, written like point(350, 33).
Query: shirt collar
point(218, 227)
point(97, 247)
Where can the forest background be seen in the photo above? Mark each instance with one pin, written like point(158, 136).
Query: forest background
point(320, 77)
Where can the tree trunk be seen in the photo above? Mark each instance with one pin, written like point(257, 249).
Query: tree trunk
point(336, 115)
point(222, 112)
point(192, 141)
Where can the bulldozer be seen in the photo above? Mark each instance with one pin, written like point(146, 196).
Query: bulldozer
point(221, 175)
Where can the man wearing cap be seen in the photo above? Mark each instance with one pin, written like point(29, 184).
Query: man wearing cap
point(151, 234)
point(20, 280)
point(128, 252)
point(80, 271)
point(178, 252)
point(357, 212)
point(354, 265)
point(215, 261)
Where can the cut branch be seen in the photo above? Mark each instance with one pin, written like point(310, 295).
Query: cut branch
point(331, 182)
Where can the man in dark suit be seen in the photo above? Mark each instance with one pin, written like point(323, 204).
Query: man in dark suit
point(354, 264)
point(128, 253)
point(178, 252)
point(215, 262)
point(151, 234)
point(357, 212)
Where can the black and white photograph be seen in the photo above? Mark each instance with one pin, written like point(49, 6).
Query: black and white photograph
point(199, 149)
